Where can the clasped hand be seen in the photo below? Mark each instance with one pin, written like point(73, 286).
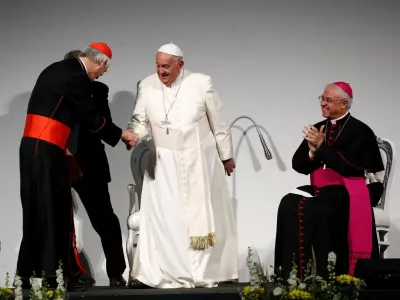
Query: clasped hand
point(314, 137)
point(130, 138)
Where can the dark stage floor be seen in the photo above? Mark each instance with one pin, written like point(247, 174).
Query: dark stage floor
point(223, 292)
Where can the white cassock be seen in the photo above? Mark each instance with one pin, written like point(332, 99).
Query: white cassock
point(187, 228)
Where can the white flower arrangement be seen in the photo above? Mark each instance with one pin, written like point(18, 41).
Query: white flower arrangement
point(311, 287)
point(6, 291)
point(38, 289)
point(60, 291)
point(18, 287)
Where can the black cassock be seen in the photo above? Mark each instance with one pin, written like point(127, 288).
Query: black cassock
point(322, 223)
point(60, 99)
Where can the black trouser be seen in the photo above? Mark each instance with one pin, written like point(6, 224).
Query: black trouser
point(96, 199)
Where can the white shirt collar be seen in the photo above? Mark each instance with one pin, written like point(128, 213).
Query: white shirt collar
point(334, 121)
point(83, 65)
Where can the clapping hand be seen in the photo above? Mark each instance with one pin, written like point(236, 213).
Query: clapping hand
point(130, 138)
point(312, 148)
point(314, 137)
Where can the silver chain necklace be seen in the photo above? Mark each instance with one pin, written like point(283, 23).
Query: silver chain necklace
point(166, 122)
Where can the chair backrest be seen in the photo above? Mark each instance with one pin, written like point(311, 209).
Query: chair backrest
point(386, 177)
point(139, 158)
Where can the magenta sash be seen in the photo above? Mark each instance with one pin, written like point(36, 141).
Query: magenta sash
point(360, 214)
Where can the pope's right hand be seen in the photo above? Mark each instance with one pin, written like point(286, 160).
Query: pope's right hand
point(130, 138)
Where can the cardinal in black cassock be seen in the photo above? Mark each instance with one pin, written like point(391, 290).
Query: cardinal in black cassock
point(334, 212)
point(60, 99)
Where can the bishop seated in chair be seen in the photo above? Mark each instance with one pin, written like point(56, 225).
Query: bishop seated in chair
point(334, 212)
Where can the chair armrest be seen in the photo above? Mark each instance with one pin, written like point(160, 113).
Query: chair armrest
point(133, 221)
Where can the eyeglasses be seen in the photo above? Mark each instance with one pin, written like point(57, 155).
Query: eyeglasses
point(329, 100)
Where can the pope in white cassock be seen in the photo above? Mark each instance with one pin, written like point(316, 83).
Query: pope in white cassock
point(187, 227)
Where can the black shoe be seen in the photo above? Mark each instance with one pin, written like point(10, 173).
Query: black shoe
point(75, 285)
point(71, 284)
point(87, 281)
point(117, 281)
point(233, 281)
point(136, 284)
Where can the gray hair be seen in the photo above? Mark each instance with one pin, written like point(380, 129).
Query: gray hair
point(95, 56)
point(342, 94)
point(72, 54)
point(178, 58)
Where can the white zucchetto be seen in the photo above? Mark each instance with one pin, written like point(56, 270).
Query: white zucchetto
point(171, 49)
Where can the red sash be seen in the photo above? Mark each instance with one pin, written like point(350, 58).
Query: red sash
point(47, 129)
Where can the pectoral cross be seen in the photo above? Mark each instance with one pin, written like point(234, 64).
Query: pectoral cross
point(166, 123)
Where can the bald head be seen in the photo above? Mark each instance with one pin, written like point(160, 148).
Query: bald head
point(72, 54)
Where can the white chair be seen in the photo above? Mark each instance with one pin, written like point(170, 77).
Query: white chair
point(381, 210)
point(138, 166)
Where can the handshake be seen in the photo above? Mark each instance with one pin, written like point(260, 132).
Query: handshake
point(130, 138)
